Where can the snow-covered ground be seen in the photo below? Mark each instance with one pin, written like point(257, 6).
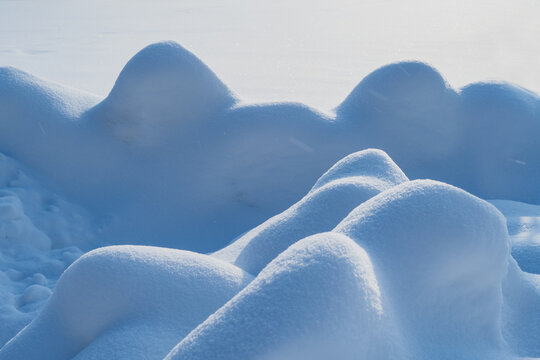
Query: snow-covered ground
point(244, 230)
point(312, 51)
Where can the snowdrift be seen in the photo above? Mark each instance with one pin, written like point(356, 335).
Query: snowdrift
point(411, 270)
point(172, 145)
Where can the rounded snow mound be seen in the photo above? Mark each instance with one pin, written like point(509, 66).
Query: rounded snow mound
point(318, 299)
point(163, 83)
point(371, 163)
point(434, 247)
point(403, 86)
point(350, 182)
point(127, 302)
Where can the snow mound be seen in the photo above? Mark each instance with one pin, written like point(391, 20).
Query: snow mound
point(127, 302)
point(435, 247)
point(346, 185)
point(395, 88)
point(163, 88)
point(317, 299)
point(372, 163)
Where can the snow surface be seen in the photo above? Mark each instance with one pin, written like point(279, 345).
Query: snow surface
point(359, 263)
point(312, 51)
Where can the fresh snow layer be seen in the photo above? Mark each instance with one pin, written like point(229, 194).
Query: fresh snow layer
point(361, 263)
point(413, 270)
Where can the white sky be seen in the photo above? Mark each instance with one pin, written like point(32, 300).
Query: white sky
point(298, 50)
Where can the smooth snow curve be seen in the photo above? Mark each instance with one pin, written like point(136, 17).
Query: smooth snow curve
point(127, 302)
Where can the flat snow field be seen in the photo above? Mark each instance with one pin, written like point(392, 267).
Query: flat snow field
point(312, 51)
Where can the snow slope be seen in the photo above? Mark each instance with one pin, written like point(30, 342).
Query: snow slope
point(415, 270)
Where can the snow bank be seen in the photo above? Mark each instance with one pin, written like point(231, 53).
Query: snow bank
point(171, 138)
point(127, 302)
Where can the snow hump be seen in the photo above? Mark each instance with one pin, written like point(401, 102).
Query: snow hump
point(434, 246)
point(315, 297)
point(129, 301)
point(401, 86)
point(163, 83)
point(350, 182)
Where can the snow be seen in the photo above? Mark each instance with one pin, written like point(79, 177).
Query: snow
point(358, 260)
point(436, 247)
point(347, 184)
point(311, 51)
point(127, 302)
point(318, 298)
point(237, 164)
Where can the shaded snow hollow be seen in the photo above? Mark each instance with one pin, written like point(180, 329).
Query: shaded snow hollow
point(361, 263)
